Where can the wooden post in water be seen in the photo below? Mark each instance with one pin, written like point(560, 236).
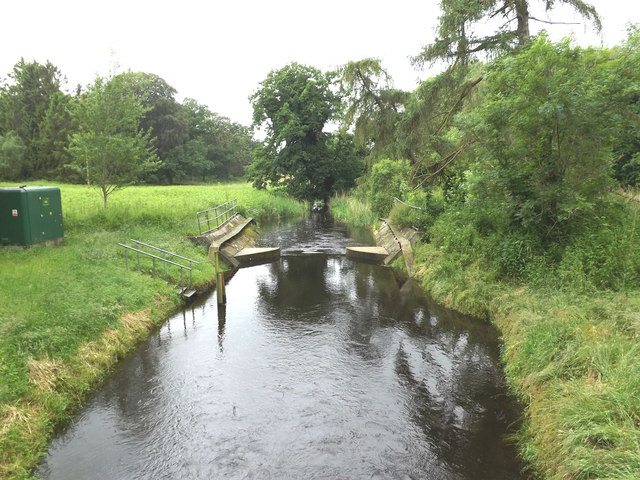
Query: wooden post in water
point(220, 290)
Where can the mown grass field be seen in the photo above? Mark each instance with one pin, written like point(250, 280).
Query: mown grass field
point(69, 312)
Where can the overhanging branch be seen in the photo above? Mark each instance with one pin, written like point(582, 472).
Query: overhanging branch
point(553, 23)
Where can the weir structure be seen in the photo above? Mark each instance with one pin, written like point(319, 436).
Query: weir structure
point(392, 241)
point(232, 241)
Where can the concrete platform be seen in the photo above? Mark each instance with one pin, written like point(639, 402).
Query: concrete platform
point(367, 254)
point(255, 256)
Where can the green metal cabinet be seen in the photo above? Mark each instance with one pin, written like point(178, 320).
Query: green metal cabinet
point(30, 215)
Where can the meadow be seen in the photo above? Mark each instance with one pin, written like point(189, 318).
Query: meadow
point(69, 312)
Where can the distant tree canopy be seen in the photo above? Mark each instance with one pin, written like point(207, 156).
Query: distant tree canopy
point(34, 122)
point(36, 126)
point(294, 105)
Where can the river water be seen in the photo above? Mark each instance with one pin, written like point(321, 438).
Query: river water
point(318, 368)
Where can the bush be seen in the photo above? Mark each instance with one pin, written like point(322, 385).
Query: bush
point(385, 181)
point(431, 205)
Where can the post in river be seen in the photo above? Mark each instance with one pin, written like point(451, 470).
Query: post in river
point(220, 289)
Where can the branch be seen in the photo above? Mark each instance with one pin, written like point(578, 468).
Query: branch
point(466, 88)
point(448, 160)
point(554, 23)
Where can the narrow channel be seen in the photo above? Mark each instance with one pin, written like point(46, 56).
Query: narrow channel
point(320, 368)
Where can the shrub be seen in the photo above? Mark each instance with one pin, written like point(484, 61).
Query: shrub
point(386, 180)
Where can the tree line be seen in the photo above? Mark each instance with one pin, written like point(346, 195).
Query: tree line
point(124, 128)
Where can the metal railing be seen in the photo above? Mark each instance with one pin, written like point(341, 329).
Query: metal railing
point(397, 200)
point(163, 259)
point(217, 216)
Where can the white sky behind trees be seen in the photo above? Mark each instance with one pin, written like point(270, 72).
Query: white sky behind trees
point(218, 52)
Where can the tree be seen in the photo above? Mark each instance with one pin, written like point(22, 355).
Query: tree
point(457, 41)
point(53, 137)
point(544, 138)
point(627, 94)
point(373, 106)
point(109, 148)
point(164, 117)
point(12, 152)
point(216, 146)
point(24, 104)
point(293, 105)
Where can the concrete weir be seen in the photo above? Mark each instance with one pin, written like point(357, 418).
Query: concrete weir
point(235, 243)
point(392, 241)
point(367, 254)
point(255, 256)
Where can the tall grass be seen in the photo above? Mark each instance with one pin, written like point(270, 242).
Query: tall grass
point(351, 210)
point(57, 302)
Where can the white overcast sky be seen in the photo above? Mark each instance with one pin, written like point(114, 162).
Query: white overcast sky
point(219, 51)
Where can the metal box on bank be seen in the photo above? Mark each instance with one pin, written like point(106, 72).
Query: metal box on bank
point(30, 215)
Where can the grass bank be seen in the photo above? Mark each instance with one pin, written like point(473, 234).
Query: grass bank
point(69, 312)
point(571, 356)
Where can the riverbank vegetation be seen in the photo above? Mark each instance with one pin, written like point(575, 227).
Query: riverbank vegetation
point(70, 311)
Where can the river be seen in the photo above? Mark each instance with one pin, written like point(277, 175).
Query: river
point(319, 367)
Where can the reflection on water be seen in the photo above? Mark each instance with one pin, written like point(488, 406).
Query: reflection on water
point(319, 367)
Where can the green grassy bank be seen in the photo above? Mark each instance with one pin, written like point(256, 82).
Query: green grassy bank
point(571, 354)
point(69, 312)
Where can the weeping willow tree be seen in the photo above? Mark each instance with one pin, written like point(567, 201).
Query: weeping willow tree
point(373, 107)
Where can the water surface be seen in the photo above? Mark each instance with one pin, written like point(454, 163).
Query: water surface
point(319, 367)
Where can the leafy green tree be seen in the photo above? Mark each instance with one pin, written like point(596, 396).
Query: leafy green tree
point(293, 105)
point(347, 160)
point(223, 147)
point(109, 148)
point(544, 137)
point(164, 117)
point(388, 179)
point(12, 153)
point(24, 104)
point(186, 161)
point(53, 137)
point(627, 100)
point(426, 127)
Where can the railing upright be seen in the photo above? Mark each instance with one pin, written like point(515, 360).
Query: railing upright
point(230, 209)
point(164, 260)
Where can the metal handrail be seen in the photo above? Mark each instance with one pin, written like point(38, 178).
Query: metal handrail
point(397, 200)
point(227, 214)
point(154, 258)
point(191, 261)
